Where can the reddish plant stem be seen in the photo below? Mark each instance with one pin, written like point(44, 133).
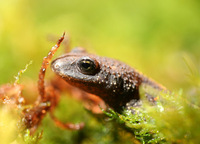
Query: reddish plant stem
point(46, 61)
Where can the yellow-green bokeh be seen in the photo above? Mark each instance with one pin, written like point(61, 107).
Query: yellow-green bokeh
point(148, 35)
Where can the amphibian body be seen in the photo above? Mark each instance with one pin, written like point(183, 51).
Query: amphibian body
point(115, 82)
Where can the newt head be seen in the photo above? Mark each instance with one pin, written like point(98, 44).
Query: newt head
point(115, 82)
point(77, 67)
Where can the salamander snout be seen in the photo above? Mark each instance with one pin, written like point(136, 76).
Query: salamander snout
point(57, 66)
point(76, 67)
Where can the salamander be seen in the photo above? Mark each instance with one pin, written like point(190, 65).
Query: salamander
point(115, 82)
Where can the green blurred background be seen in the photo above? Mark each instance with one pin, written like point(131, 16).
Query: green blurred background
point(152, 36)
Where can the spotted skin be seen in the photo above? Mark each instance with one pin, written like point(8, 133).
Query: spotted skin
point(115, 82)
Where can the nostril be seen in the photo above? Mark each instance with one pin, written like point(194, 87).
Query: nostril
point(56, 66)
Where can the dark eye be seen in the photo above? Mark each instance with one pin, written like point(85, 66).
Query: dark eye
point(88, 66)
